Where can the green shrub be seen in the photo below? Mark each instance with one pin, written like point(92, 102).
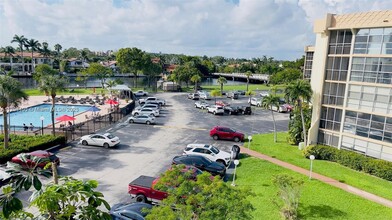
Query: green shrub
point(356, 161)
point(27, 143)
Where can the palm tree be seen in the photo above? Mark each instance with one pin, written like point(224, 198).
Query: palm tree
point(45, 51)
point(11, 95)
point(196, 78)
point(300, 91)
point(110, 84)
point(269, 102)
point(34, 45)
point(248, 74)
point(57, 48)
point(84, 56)
point(9, 52)
point(221, 80)
point(51, 83)
point(215, 93)
point(21, 40)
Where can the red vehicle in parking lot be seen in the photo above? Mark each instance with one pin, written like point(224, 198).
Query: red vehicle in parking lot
point(219, 132)
point(27, 159)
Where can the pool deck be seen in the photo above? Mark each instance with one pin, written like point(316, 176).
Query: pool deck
point(81, 117)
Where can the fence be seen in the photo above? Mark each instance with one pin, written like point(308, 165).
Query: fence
point(79, 129)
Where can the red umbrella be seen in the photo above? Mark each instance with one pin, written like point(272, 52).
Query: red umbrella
point(65, 118)
point(111, 102)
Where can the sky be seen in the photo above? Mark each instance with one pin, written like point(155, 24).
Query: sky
point(230, 28)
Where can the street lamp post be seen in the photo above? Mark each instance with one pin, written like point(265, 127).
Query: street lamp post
point(249, 138)
point(77, 92)
point(42, 124)
point(236, 162)
point(311, 157)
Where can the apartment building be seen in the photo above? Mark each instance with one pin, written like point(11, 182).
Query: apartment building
point(351, 77)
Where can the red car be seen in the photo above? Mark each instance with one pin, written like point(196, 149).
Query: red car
point(45, 155)
point(222, 103)
point(218, 132)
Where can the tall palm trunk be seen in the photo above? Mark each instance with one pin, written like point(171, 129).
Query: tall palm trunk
point(221, 88)
point(273, 119)
point(5, 123)
point(247, 84)
point(52, 115)
point(303, 121)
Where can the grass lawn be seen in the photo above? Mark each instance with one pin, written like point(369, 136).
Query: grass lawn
point(264, 143)
point(318, 200)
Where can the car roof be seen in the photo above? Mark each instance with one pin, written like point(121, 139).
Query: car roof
point(199, 145)
point(39, 153)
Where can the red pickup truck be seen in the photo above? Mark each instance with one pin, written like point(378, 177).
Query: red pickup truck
point(142, 189)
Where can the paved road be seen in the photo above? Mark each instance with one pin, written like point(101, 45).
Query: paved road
point(149, 149)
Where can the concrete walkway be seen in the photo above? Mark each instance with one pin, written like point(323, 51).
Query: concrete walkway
point(322, 178)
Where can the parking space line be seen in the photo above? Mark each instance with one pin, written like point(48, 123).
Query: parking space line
point(178, 127)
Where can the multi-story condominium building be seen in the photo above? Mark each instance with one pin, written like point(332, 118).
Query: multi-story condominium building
point(15, 63)
point(351, 79)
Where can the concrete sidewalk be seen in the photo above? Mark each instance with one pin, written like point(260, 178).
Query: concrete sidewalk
point(322, 178)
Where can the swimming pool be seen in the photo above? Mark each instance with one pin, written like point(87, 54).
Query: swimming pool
point(33, 114)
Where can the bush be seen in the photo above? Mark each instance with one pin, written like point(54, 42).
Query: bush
point(27, 143)
point(353, 160)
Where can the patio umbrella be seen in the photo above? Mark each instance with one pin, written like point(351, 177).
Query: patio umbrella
point(65, 118)
point(94, 109)
point(111, 102)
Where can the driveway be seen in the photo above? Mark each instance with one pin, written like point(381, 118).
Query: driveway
point(149, 149)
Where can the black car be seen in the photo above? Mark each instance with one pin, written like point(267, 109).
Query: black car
point(233, 110)
point(134, 211)
point(202, 163)
point(246, 110)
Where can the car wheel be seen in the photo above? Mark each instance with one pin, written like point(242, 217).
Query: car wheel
point(214, 112)
point(195, 106)
point(236, 139)
point(230, 113)
point(258, 105)
point(131, 121)
point(221, 162)
point(152, 115)
point(136, 113)
point(84, 143)
point(106, 145)
point(148, 122)
point(141, 198)
point(215, 137)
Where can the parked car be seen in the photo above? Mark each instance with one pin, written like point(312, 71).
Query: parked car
point(146, 111)
point(222, 103)
point(283, 102)
point(131, 211)
point(216, 110)
point(160, 101)
point(105, 140)
point(264, 93)
point(241, 92)
point(255, 101)
point(246, 110)
point(202, 163)
point(148, 105)
point(27, 159)
point(141, 93)
point(232, 95)
point(201, 105)
point(219, 132)
point(204, 95)
point(232, 110)
point(281, 108)
point(144, 119)
point(193, 96)
point(209, 151)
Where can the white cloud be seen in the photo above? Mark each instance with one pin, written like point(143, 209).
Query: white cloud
point(244, 28)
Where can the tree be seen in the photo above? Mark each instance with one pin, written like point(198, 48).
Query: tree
point(50, 82)
point(195, 79)
point(21, 40)
point(100, 72)
point(11, 95)
point(290, 193)
point(131, 59)
point(295, 124)
point(221, 80)
point(34, 45)
point(286, 76)
point(215, 93)
point(267, 103)
point(57, 48)
point(248, 74)
point(203, 198)
point(300, 91)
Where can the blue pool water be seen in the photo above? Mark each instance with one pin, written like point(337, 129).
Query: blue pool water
point(33, 114)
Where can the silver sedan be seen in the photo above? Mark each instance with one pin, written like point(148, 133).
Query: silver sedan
point(144, 119)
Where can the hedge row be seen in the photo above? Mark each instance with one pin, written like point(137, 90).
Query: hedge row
point(356, 161)
point(27, 143)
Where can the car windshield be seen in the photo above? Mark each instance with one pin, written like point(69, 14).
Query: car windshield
point(215, 150)
point(110, 136)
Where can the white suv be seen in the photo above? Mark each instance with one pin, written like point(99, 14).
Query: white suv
point(146, 111)
point(255, 101)
point(215, 109)
point(208, 151)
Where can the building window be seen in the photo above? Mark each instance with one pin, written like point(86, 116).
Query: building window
point(373, 41)
point(328, 138)
point(337, 68)
point(340, 42)
point(333, 93)
point(330, 118)
point(370, 98)
point(371, 70)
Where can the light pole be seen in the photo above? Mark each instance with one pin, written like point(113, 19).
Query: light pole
point(236, 162)
point(77, 92)
point(249, 138)
point(42, 124)
point(311, 157)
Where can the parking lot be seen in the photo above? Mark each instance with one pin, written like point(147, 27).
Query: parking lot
point(149, 149)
